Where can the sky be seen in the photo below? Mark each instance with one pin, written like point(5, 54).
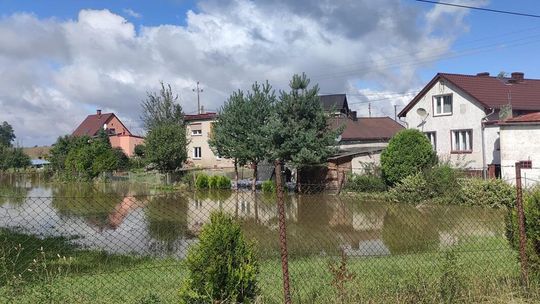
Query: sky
point(60, 60)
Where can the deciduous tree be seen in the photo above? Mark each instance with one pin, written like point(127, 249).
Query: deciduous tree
point(165, 146)
point(161, 108)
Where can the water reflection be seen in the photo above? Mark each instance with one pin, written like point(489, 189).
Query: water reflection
point(124, 218)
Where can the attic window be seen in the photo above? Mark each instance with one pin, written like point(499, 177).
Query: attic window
point(442, 105)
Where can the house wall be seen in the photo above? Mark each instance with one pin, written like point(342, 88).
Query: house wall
point(126, 142)
point(119, 128)
point(348, 145)
point(359, 162)
point(516, 145)
point(208, 158)
point(466, 114)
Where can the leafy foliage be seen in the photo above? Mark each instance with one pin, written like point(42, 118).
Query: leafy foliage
point(11, 157)
point(493, 193)
point(166, 146)
point(299, 132)
point(365, 183)
point(413, 189)
point(202, 181)
point(268, 186)
point(7, 135)
point(222, 266)
point(408, 152)
point(161, 108)
point(532, 227)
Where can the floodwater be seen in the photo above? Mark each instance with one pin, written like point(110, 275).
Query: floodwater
point(126, 218)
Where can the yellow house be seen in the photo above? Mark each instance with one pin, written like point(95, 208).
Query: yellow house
point(199, 128)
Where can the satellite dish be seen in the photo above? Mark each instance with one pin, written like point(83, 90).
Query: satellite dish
point(422, 113)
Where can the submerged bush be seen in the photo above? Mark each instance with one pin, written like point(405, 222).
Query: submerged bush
point(222, 266)
point(493, 193)
point(365, 183)
point(202, 181)
point(408, 152)
point(268, 186)
point(413, 189)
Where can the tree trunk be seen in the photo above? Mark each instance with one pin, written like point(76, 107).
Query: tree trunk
point(235, 174)
point(254, 182)
point(298, 183)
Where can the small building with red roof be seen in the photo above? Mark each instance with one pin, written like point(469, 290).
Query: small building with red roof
point(459, 114)
point(119, 134)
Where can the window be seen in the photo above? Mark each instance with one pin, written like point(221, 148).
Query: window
point(461, 141)
point(442, 105)
point(196, 129)
point(197, 152)
point(432, 136)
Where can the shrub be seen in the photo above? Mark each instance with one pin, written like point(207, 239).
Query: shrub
point(222, 266)
point(268, 186)
point(532, 227)
point(408, 152)
point(493, 193)
point(365, 183)
point(223, 182)
point(202, 181)
point(189, 178)
point(412, 189)
point(213, 181)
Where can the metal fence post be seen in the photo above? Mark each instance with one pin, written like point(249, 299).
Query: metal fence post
point(521, 224)
point(282, 232)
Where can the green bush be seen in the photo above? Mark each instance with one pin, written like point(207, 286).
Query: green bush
point(213, 181)
point(493, 193)
point(202, 181)
point(408, 152)
point(222, 266)
point(268, 186)
point(532, 227)
point(219, 182)
point(413, 189)
point(365, 183)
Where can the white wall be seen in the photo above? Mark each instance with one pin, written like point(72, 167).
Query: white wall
point(466, 114)
point(208, 159)
point(520, 142)
point(358, 163)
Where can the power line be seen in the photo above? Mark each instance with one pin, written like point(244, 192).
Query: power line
point(481, 9)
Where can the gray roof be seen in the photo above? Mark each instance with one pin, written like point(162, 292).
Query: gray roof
point(335, 102)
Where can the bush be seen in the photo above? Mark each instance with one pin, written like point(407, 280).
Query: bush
point(219, 182)
point(222, 266)
point(413, 189)
point(408, 152)
point(202, 181)
point(365, 183)
point(213, 181)
point(268, 186)
point(532, 227)
point(493, 193)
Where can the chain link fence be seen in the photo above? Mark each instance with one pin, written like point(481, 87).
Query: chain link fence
point(73, 244)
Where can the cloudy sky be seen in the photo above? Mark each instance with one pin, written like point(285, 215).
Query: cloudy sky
point(62, 60)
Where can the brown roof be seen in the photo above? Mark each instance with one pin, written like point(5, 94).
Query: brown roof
point(204, 116)
point(364, 129)
point(491, 92)
point(92, 124)
point(523, 119)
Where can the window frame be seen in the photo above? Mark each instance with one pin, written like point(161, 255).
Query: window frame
point(195, 153)
point(434, 142)
point(199, 133)
point(471, 142)
point(434, 105)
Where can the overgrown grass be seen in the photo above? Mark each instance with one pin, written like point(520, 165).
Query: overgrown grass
point(483, 270)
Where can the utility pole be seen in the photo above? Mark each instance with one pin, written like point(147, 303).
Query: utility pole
point(369, 109)
point(198, 90)
point(395, 112)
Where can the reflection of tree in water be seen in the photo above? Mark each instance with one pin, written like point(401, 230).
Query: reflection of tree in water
point(167, 218)
point(85, 201)
point(408, 230)
point(13, 189)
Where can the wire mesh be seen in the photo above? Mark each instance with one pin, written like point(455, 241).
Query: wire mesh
point(127, 244)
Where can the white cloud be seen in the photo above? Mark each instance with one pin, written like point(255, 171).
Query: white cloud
point(132, 13)
point(53, 72)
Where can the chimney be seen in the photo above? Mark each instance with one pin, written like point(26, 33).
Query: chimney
point(483, 74)
point(354, 115)
point(98, 112)
point(517, 76)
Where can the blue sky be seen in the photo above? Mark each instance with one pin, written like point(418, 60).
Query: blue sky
point(72, 57)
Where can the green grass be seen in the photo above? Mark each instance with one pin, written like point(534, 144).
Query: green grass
point(488, 273)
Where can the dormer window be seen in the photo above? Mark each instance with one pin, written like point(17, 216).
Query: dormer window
point(442, 105)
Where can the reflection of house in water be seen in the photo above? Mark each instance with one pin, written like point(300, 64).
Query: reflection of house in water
point(117, 216)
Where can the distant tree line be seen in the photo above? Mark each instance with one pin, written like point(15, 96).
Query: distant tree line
point(11, 157)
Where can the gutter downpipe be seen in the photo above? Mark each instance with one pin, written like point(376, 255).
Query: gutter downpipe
point(482, 124)
point(406, 123)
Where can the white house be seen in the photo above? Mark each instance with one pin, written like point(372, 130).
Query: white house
point(520, 142)
point(460, 115)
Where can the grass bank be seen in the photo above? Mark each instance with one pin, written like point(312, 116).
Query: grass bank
point(469, 275)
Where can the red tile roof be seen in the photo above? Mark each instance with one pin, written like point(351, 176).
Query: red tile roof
point(491, 92)
point(204, 116)
point(523, 119)
point(92, 124)
point(366, 129)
